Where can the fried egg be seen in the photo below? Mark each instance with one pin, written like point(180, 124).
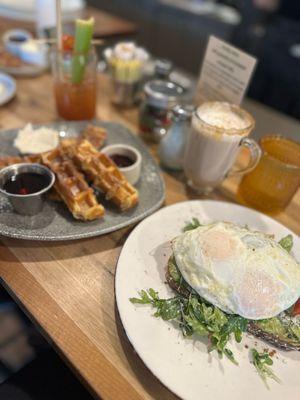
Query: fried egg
point(240, 271)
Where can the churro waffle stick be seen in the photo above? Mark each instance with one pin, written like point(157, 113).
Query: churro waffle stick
point(104, 174)
point(72, 187)
point(10, 160)
point(96, 135)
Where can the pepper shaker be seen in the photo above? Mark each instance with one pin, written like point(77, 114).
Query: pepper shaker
point(162, 69)
point(172, 146)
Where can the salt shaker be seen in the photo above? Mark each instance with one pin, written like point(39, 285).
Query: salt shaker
point(172, 145)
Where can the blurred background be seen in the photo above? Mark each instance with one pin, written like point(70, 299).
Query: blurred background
point(178, 30)
point(268, 29)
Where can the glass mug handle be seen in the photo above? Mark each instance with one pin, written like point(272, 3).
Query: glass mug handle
point(255, 155)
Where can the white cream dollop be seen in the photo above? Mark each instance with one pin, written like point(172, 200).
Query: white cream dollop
point(35, 141)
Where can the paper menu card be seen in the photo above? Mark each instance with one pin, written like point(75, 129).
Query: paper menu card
point(225, 74)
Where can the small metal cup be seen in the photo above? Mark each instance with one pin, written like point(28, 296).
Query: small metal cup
point(28, 204)
point(125, 93)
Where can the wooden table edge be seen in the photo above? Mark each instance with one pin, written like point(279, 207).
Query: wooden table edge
point(121, 388)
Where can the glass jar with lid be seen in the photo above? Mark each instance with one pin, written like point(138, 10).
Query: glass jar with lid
point(155, 111)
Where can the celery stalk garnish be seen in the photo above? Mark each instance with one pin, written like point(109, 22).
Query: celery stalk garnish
point(83, 37)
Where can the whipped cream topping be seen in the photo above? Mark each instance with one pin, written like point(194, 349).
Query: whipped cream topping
point(223, 115)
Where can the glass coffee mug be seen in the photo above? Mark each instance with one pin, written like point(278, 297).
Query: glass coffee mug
point(275, 180)
point(217, 133)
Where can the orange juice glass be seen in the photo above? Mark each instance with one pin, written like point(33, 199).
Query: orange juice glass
point(74, 101)
point(274, 181)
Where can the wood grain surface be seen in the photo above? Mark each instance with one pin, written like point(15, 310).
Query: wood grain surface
point(106, 25)
point(68, 287)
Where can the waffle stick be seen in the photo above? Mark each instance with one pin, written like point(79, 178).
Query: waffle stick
point(96, 135)
point(6, 161)
point(10, 160)
point(72, 187)
point(104, 174)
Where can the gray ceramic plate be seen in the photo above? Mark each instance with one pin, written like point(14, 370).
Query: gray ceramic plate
point(55, 221)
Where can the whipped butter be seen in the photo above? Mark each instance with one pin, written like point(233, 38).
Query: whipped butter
point(35, 141)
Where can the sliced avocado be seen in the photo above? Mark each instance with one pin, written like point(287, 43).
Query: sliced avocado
point(173, 270)
point(295, 330)
point(274, 326)
point(281, 331)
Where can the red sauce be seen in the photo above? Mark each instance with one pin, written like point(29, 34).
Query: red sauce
point(121, 160)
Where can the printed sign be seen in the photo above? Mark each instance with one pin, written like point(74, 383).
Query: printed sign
point(225, 73)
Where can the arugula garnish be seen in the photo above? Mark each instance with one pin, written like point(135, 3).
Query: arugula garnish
point(262, 362)
point(167, 309)
point(195, 316)
point(195, 223)
point(287, 243)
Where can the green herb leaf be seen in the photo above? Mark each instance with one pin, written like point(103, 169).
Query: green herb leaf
point(262, 362)
point(228, 353)
point(287, 243)
point(192, 225)
point(195, 325)
point(145, 299)
point(195, 316)
point(168, 309)
point(153, 294)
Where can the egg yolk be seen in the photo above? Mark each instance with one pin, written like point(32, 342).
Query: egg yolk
point(218, 245)
point(256, 293)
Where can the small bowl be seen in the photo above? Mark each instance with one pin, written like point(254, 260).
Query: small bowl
point(27, 204)
point(132, 172)
point(12, 46)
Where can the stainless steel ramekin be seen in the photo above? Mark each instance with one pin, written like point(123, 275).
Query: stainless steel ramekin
point(28, 204)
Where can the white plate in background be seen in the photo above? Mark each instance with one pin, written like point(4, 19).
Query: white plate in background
point(8, 88)
point(26, 70)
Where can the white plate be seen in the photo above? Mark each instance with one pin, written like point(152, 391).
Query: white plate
point(183, 365)
point(25, 70)
point(8, 88)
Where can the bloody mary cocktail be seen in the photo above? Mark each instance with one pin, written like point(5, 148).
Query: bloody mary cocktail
point(74, 69)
